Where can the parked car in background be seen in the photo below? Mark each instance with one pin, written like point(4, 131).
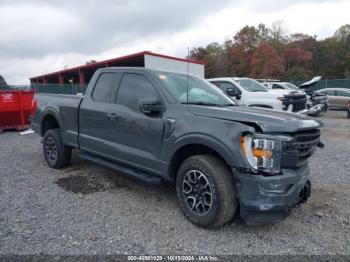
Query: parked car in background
point(249, 92)
point(338, 98)
point(153, 126)
point(315, 99)
point(313, 105)
point(281, 86)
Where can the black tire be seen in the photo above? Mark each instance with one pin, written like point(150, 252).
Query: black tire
point(56, 154)
point(223, 200)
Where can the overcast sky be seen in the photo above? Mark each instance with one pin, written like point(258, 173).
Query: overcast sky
point(41, 36)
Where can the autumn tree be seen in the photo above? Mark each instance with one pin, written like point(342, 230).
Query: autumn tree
point(266, 63)
point(296, 56)
point(294, 59)
point(244, 43)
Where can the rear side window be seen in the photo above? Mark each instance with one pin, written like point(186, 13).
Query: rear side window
point(343, 93)
point(134, 87)
point(103, 87)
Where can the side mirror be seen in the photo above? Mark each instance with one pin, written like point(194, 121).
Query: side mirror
point(232, 92)
point(151, 106)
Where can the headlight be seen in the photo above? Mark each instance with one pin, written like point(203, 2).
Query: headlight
point(262, 152)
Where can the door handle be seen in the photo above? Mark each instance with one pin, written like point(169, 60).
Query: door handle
point(111, 116)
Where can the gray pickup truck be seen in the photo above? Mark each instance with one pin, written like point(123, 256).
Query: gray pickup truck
point(157, 127)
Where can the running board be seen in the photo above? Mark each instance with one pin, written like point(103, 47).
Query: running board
point(136, 175)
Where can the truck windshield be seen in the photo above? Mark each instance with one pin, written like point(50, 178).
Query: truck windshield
point(251, 85)
point(291, 86)
point(193, 90)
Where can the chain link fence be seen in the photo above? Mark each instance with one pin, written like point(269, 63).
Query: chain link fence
point(15, 87)
point(339, 83)
point(49, 88)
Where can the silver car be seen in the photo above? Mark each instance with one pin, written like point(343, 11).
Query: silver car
point(338, 98)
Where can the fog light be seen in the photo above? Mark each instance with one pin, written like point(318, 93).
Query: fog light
point(275, 188)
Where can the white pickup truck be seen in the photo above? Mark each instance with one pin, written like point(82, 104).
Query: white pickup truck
point(249, 92)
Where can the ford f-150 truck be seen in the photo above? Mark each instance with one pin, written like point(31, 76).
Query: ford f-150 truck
point(156, 126)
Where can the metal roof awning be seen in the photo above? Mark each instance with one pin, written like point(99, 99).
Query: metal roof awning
point(83, 73)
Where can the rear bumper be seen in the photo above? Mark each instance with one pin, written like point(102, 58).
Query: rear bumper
point(265, 199)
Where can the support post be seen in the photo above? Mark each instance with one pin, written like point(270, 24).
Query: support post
point(81, 77)
point(60, 79)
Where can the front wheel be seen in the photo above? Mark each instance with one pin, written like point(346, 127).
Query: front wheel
point(206, 191)
point(56, 154)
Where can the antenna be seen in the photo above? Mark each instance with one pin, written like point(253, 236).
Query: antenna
point(188, 69)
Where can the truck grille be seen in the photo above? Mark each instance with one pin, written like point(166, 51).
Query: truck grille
point(296, 101)
point(300, 148)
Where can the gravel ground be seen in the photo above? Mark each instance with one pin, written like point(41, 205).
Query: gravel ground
point(87, 209)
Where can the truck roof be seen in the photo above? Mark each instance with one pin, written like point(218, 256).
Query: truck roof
point(138, 69)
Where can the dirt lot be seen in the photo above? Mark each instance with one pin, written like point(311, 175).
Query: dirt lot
point(86, 209)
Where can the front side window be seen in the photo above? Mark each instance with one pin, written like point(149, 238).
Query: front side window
point(329, 92)
point(191, 89)
point(251, 85)
point(133, 88)
point(103, 87)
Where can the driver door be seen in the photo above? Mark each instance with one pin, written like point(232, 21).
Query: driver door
point(135, 138)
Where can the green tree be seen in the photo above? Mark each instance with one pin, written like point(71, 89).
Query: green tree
point(296, 73)
point(2, 81)
point(212, 56)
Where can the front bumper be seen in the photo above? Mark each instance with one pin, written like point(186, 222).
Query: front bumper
point(268, 199)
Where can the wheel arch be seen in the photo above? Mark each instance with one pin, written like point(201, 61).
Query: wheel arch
point(50, 120)
point(191, 146)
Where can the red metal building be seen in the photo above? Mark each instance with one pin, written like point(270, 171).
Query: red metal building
point(82, 74)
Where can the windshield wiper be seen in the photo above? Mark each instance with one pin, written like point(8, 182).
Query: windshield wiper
point(201, 103)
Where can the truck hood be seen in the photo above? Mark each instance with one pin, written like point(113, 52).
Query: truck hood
point(310, 83)
point(279, 91)
point(270, 121)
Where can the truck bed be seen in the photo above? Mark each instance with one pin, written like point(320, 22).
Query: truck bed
point(64, 106)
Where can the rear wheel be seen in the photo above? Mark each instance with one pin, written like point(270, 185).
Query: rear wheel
point(56, 154)
point(206, 191)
